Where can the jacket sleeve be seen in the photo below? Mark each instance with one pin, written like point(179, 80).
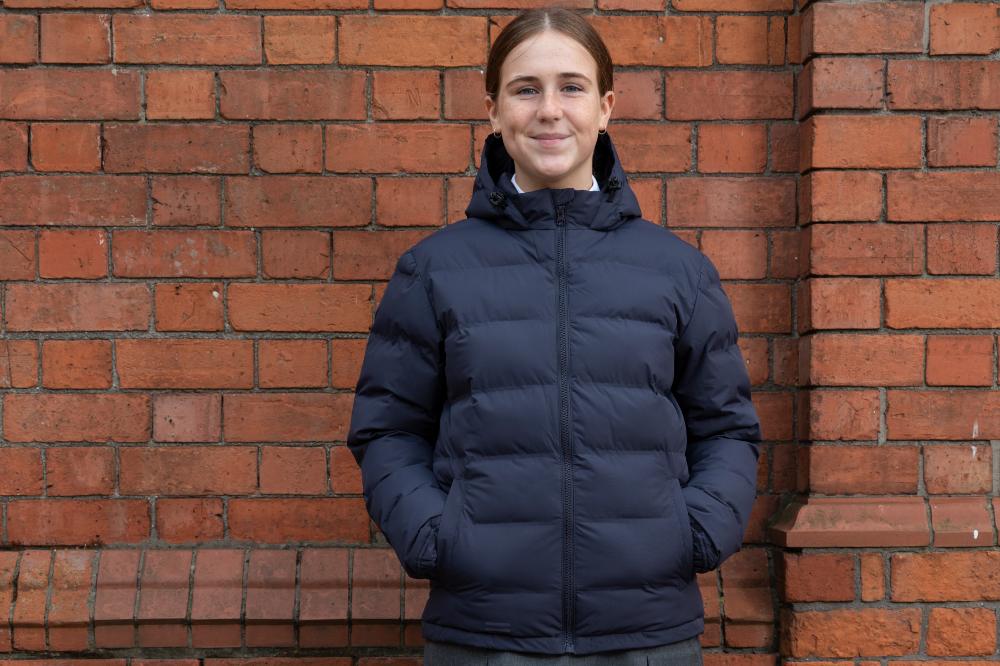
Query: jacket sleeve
point(712, 387)
point(394, 419)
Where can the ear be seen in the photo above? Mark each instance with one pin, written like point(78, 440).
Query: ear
point(491, 109)
point(607, 105)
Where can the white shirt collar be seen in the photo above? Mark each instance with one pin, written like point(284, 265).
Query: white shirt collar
point(593, 187)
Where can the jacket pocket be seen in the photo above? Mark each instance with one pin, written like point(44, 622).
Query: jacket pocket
point(449, 519)
point(683, 527)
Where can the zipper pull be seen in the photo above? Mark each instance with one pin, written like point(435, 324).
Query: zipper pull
point(561, 214)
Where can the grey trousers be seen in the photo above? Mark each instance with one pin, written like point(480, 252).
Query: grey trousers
point(682, 653)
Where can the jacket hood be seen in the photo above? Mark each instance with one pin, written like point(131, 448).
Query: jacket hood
point(495, 198)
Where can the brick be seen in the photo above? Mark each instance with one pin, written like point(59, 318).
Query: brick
point(296, 254)
point(872, 577)
point(406, 95)
point(69, 93)
point(721, 201)
point(163, 253)
point(18, 38)
point(73, 253)
point(866, 249)
point(729, 95)
point(180, 94)
point(750, 40)
point(964, 28)
point(737, 254)
point(188, 39)
point(324, 585)
point(299, 40)
point(841, 83)
point(299, 307)
point(17, 255)
point(817, 577)
point(959, 360)
point(953, 575)
point(8, 565)
point(859, 359)
point(76, 38)
point(961, 631)
point(952, 469)
point(90, 522)
point(65, 146)
point(861, 522)
point(115, 598)
point(375, 584)
point(28, 614)
point(270, 597)
point(189, 520)
point(291, 94)
point(410, 201)
point(293, 470)
point(366, 255)
point(217, 598)
point(163, 598)
point(946, 196)
point(435, 148)
point(76, 364)
point(464, 93)
point(187, 306)
point(186, 200)
point(188, 470)
point(292, 363)
point(279, 521)
point(863, 470)
point(957, 141)
point(79, 200)
point(869, 27)
point(177, 363)
point(842, 415)
point(186, 417)
point(80, 470)
point(942, 303)
point(418, 40)
point(177, 148)
point(826, 303)
point(943, 414)
point(288, 148)
point(956, 248)
point(22, 467)
point(662, 41)
point(732, 148)
point(297, 201)
point(945, 85)
point(961, 522)
point(69, 612)
point(864, 142)
point(834, 196)
point(55, 417)
point(868, 632)
point(658, 147)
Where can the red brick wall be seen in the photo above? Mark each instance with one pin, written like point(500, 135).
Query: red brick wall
point(200, 205)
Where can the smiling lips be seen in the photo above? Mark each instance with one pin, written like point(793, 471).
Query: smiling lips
point(549, 139)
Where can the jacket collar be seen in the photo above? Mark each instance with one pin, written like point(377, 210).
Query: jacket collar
point(495, 198)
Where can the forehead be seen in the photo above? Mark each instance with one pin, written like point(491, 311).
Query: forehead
point(548, 53)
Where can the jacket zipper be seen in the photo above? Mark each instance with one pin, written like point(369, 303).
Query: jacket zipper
point(564, 430)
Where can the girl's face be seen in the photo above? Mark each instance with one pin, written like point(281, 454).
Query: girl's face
point(548, 111)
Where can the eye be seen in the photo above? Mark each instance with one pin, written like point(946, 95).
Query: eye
point(523, 90)
point(573, 85)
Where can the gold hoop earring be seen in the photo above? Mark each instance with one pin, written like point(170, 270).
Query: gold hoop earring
point(496, 133)
point(602, 131)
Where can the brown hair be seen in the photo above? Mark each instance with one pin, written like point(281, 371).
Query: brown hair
point(533, 21)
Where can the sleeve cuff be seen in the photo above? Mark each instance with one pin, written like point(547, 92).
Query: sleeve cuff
point(706, 555)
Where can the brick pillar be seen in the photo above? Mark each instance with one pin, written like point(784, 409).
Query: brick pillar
point(890, 543)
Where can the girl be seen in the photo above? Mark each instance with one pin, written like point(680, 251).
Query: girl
point(553, 418)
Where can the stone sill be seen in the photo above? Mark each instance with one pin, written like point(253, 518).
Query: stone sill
point(888, 521)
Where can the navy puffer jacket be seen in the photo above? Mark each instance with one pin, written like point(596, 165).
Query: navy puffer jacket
point(553, 419)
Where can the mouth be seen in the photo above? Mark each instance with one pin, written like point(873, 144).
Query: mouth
point(550, 139)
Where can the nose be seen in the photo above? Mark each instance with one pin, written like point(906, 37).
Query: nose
point(550, 106)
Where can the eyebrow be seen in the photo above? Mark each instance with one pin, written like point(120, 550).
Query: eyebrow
point(564, 75)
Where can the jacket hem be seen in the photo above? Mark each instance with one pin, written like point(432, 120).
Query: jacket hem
point(555, 645)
